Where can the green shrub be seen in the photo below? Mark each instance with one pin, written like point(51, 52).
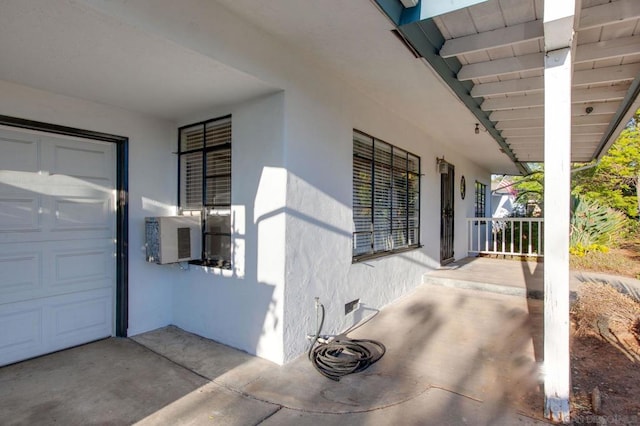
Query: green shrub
point(593, 226)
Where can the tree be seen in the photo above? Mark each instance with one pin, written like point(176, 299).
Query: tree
point(614, 181)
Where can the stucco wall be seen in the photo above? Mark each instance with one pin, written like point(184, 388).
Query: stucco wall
point(320, 120)
point(243, 307)
point(152, 177)
point(291, 183)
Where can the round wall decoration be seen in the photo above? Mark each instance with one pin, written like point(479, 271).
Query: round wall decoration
point(463, 187)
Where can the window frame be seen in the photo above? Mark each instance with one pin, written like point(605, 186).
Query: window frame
point(410, 194)
point(480, 199)
point(207, 209)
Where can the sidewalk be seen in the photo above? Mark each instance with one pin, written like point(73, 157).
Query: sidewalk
point(516, 278)
point(453, 357)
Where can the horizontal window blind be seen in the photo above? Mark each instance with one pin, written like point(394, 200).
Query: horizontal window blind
point(386, 202)
point(204, 150)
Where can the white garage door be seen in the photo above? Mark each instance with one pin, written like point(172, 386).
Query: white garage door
point(57, 242)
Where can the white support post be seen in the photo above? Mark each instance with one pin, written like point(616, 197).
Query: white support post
point(557, 156)
point(558, 29)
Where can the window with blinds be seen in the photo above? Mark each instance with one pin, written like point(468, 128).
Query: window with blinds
point(481, 199)
point(204, 151)
point(386, 198)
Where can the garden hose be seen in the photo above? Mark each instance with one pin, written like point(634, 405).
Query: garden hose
point(342, 355)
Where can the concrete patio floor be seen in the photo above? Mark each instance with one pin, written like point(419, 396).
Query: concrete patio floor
point(454, 356)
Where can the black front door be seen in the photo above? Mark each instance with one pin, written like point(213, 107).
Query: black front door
point(447, 183)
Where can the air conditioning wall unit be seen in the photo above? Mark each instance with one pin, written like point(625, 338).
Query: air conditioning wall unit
point(172, 239)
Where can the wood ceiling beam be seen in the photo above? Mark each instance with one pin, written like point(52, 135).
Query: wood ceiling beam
point(596, 16)
point(598, 94)
point(526, 31)
point(589, 52)
point(611, 74)
point(608, 49)
point(514, 134)
point(577, 110)
point(530, 123)
point(531, 62)
point(609, 13)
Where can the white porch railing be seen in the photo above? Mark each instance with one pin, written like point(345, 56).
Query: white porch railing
point(515, 236)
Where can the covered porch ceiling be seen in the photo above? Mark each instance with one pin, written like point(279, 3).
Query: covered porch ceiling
point(492, 55)
point(478, 64)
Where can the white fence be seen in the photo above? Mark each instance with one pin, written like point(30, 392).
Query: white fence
point(515, 236)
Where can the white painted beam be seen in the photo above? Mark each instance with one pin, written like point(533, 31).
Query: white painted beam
point(609, 13)
point(585, 138)
point(521, 63)
point(516, 114)
point(525, 123)
point(508, 87)
point(579, 121)
point(611, 74)
point(578, 150)
point(532, 30)
point(591, 119)
point(529, 141)
point(529, 154)
point(608, 49)
point(598, 94)
point(513, 102)
point(593, 129)
point(514, 134)
point(577, 110)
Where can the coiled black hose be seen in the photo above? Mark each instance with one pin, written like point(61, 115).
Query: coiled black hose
point(343, 355)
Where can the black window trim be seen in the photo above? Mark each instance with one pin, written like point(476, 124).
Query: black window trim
point(204, 207)
point(483, 192)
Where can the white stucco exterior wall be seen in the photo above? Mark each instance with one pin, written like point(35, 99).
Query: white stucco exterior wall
point(291, 190)
point(243, 307)
point(320, 122)
point(152, 177)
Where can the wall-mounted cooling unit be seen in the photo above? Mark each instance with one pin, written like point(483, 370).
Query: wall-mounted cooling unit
point(172, 239)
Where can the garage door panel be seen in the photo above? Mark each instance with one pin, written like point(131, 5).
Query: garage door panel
point(21, 273)
point(20, 151)
point(28, 274)
point(82, 317)
point(87, 265)
point(20, 332)
point(37, 327)
point(19, 211)
point(94, 162)
point(57, 242)
point(83, 214)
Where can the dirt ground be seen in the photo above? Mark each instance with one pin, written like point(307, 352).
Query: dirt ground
point(596, 363)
